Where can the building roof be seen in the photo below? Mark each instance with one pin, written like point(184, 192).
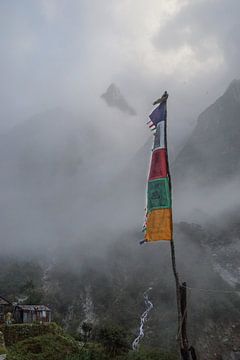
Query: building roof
point(33, 307)
point(4, 301)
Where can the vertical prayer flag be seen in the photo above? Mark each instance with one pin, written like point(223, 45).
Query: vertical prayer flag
point(158, 224)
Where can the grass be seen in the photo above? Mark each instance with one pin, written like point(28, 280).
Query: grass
point(46, 347)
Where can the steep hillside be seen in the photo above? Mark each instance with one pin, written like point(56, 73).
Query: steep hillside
point(85, 285)
point(56, 187)
point(210, 155)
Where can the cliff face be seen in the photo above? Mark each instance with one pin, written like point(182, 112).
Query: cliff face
point(210, 155)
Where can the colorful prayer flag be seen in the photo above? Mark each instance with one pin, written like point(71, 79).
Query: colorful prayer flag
point(158, 224)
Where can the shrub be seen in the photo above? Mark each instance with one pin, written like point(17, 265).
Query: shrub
point(113, 338)
point(149, 354)
point(46, 347)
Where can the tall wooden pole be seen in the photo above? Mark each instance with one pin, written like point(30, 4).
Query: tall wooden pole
point(180, 294)
point(183, 300)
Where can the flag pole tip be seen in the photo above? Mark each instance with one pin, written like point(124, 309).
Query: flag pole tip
point(162, 99)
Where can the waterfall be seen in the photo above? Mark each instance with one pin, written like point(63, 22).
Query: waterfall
point(143, 318)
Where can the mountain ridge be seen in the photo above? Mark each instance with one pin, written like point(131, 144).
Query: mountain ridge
point(209, 155)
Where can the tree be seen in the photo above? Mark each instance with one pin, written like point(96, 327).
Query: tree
point(86, 329)
point(113, 338)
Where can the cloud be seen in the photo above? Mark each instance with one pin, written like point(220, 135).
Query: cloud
point(51, 9)
point(68, 52)
point(210, 32)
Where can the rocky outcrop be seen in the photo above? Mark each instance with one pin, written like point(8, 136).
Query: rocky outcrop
point(210, 155)
point(114, 98)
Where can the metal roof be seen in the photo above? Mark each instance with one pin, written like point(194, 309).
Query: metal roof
point(4, 300)
point(33, 307)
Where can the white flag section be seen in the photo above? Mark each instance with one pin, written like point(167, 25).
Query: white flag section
point(159, 138)
point(149, 305)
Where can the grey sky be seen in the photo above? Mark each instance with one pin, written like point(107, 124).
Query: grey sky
point(66, 52)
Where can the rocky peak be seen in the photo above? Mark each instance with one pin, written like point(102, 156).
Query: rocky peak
point(114, 91)
point(233, 91)
point(114, 98)
point(212, 151)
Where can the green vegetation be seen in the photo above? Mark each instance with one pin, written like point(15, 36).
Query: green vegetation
point(92, 351)
point(3, 350)
point(46, 347)
point(108, 291)
point(64, 347)
point(114, 339)
point(19, 332)
point(149, 354)
point(108, 342)
point(96, 352)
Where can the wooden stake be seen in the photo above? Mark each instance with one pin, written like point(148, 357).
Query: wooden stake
point(183, 300)
point(178, 295)
point(181, 291)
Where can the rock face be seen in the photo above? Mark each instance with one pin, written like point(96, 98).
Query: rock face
point(114, 98)
point(209, 156)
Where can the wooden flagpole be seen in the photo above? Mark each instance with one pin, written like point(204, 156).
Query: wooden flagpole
point(180, 289)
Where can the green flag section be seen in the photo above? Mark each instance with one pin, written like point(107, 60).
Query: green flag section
point(158, 194)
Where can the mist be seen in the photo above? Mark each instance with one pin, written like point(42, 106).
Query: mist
point(74, 166)
point(58, 59)
point(74, 169)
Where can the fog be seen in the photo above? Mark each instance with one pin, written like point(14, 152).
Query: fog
point(74, 169)
point(67, 52)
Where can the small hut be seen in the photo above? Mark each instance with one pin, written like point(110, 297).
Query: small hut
point(32, 313)
point(5, 307)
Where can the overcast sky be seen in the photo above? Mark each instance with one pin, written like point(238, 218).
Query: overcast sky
point(66, 52)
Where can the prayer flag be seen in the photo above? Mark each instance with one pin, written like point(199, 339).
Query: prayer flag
point(158, 224)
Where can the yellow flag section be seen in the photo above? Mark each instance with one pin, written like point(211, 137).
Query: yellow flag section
point(159, 225)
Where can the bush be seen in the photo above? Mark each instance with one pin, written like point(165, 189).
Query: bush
point(46, 347)
point(18, 332)
point(92, 351)
point(3, 350)
point(113, 338)
point(151, 354)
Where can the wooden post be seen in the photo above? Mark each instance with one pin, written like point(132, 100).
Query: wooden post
point(178, 294)
point(181, 290)
point(183, 300)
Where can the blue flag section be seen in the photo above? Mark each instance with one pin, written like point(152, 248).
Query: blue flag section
point(158, 114)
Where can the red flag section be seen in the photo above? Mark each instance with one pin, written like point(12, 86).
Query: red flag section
point(158, 168)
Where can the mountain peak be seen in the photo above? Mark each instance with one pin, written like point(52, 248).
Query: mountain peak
point(114, 98)
point(233, 90)
point(234, 83)
point(114, 90)
point(211, 154)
